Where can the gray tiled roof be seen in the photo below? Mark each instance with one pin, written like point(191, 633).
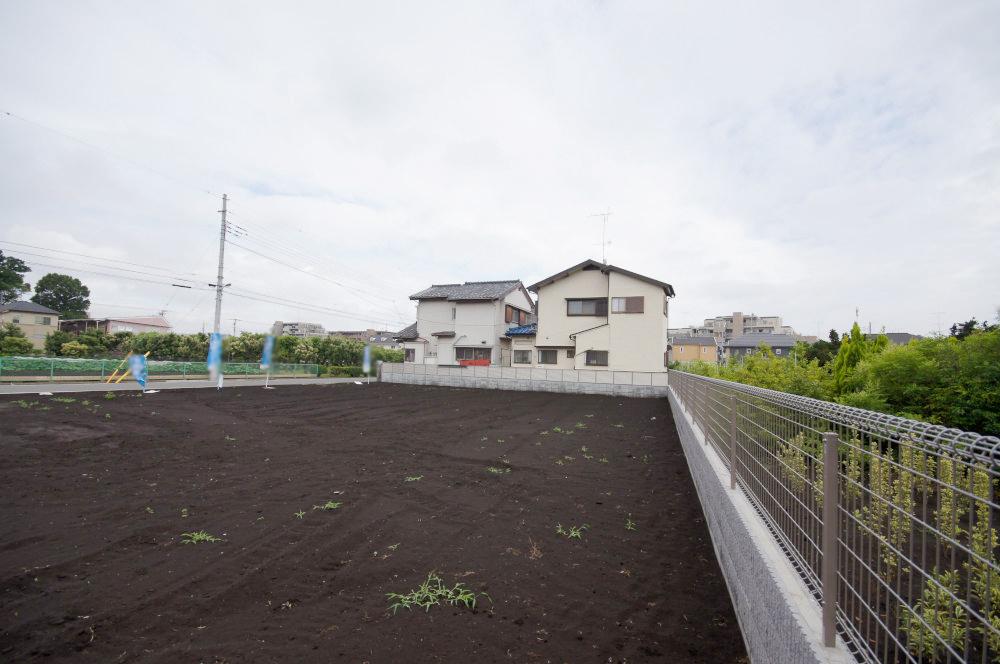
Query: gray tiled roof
point(754, 340)
point(27, 307)
point(407, 333)
point(470, 290)
point(897, 338)
point(694, 341)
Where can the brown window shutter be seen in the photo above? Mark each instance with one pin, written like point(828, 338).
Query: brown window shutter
point(634, 305)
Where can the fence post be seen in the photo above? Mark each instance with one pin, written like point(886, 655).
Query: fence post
point(102, 371)
point(732, 441)
point(52, 371)
point(831, 496)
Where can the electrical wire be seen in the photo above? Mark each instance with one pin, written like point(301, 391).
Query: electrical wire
point(145, 167)
point(74, 253)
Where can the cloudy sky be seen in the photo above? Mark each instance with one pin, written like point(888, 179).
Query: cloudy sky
point(798, 159)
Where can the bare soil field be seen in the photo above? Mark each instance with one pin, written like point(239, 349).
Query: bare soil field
point(323, 499)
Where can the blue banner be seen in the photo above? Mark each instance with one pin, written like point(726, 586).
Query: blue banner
point(366, 362)
point(215, 356)
point(265, 358)
point(140, 371)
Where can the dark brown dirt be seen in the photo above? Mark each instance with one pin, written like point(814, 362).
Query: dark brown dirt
point(92, 567)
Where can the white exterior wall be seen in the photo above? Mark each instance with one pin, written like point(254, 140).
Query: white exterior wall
point(554, 326)
point(637, 341)
point(478, 324)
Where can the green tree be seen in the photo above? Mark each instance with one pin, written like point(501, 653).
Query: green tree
point(853, 348)
point(55, 340)
point(14, 342)
point(12, 283)
point(64, 293)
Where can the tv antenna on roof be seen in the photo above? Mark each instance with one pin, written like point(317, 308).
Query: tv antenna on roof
point(604, 235)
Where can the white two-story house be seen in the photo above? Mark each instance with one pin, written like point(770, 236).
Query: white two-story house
point(466, 323)
point(596, 316)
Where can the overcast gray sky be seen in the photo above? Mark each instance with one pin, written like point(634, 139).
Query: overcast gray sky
point(799, 159)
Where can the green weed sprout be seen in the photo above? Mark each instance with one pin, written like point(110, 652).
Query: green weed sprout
point(497, 471)
point(109, 395)
point(301, 514)
point(573, 532)
point(198, 537)
point(328, 505)
point(629, 523)
point(433, 592)
point(413, 478)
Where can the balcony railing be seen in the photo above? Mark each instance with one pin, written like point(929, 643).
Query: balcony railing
point(899, 544)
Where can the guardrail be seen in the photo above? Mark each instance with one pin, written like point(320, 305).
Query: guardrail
point(52, 369)
point(899, 545)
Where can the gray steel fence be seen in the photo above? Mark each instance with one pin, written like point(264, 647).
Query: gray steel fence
point(899, 545)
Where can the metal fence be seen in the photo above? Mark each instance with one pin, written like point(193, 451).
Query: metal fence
point(899, 545)
point(51, 369)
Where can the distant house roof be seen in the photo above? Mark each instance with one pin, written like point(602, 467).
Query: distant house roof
point(408, 333)
point(595, 265)
point(896, 338)
point(754, 340)
point(27, 307)
point(694, 341)
point(152, 321)
point(470, 290)
point(523, 330)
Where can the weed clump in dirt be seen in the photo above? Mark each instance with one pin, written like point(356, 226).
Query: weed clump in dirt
point(198, 537)
point(433, 592)
point(573, 532)
point(328, 505)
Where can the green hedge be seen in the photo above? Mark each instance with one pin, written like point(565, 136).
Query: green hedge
point(64, 366)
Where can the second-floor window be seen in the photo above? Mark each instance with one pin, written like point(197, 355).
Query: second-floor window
point(515, 315)
point(627, 305)
point(590, 306)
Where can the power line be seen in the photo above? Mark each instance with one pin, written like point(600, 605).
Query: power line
point(74, 253)
point(92, 146)
point(273, 246)
point(107, 267)
point(298, 269)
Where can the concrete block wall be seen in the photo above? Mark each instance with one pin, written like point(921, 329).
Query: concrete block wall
point(779, 618)
point(527, 379)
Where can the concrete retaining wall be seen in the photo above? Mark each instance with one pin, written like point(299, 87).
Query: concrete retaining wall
point(527, 379)
point(780, 620)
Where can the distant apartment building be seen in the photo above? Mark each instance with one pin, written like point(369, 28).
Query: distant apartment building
point(738, 324)
point(298, 329)
point(34, 320)
point(382, 338)
point(134, 324)
point(466, 324)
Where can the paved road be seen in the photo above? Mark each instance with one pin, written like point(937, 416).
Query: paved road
point(35, 388)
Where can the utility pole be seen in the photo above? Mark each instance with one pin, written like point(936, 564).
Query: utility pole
point(222, 252)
